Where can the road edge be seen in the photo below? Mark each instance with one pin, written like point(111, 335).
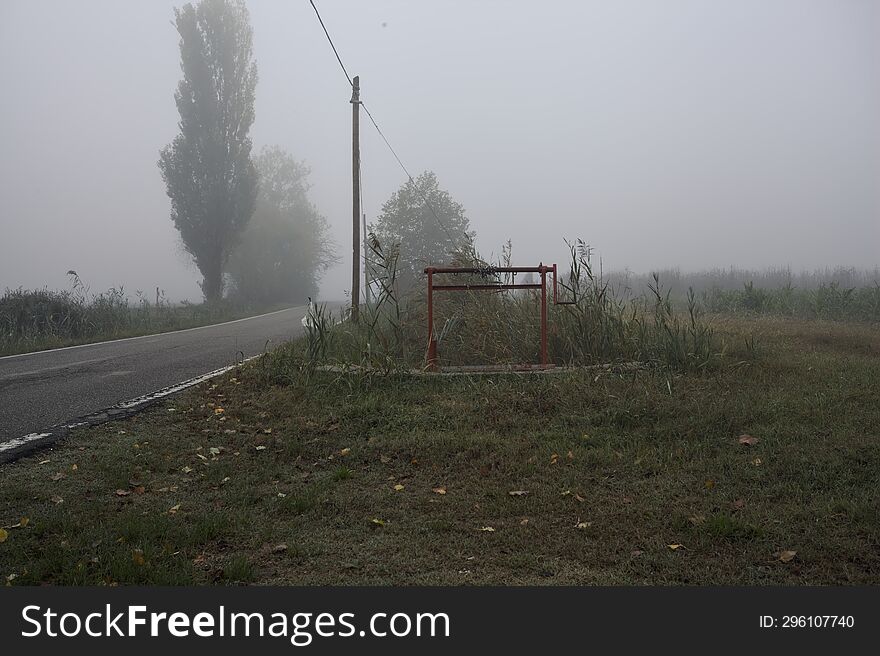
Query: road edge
point(19, 447)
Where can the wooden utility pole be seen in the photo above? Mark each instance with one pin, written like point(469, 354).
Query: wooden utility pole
point(355, 198)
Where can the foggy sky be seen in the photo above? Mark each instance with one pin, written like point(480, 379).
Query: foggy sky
point(668, 133)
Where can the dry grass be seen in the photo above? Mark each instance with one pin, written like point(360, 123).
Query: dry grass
point(34, 320)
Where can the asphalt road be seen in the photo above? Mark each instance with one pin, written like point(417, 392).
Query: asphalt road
point(40, 390)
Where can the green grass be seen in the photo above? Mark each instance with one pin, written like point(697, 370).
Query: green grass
point(330, 478)
point(826, 301)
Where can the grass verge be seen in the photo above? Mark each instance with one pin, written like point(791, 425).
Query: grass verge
point(581, 477)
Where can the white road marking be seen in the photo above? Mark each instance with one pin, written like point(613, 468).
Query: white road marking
point(19, 441)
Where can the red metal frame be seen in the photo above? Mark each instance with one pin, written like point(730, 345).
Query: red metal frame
point(431, 359)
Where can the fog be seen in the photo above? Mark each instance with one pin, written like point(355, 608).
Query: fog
point(680, 133)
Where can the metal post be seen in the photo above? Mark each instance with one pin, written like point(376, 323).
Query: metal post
point(355, 197)
point(543, 315)
point(432, 343)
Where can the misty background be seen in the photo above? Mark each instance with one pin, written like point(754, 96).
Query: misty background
point(666, 134)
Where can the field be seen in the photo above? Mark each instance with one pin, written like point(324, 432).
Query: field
point(758, 468)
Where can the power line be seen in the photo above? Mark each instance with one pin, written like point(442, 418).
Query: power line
point(379, 130)
point(408, 175)
point(335, 52)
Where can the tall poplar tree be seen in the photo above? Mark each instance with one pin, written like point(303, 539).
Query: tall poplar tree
point(208, 171)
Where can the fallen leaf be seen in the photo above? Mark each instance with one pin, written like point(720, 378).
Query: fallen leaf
point(787, 556)
point(267, 431)
point(139, 489)
point(345, 451)
point(219, 411)
point(3, 534)
point(377, 522)
point(579, 498)
point(281, 495)
point(137, 557)
point(398, 487)
point(24, 521)
point(748, 440)
point(438, 490)
point(524, 521)
point(570, 455)
point(56, 499)
point(757, 462)
point(583, 525)
point(565, 493)
point(201, 456)
point(384, 459)
point(554, 458)
point(260, 447)
point(74, 467)
point(278, 548)
point(675, 547)
point(709, 484)
point(214, 451)
point(518, 493)
point(57, 477)
point(173, 509)
point(187, 469)
point(122, 493)
point(488, 529)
